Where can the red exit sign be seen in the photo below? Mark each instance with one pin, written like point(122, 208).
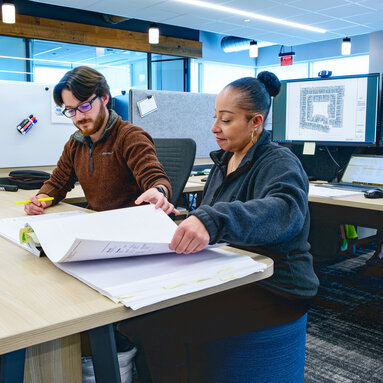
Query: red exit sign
point(286, 59)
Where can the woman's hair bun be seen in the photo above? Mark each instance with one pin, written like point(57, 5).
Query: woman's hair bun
point(270, 81)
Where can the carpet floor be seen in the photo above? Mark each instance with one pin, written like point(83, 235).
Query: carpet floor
point(345, 324)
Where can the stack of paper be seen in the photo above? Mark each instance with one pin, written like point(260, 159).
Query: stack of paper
point(124, 254)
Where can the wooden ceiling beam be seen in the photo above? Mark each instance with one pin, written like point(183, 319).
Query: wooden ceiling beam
point(68, 32)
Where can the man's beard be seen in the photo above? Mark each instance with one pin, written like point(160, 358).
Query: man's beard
point(94, 126)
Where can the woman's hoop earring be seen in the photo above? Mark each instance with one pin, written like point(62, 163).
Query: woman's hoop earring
point(253, 139)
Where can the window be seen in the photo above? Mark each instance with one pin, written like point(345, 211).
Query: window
point(13, 65)
point(122, 69)
point(343, 66)
point(168, 73)
point(298, 70)
point(47, 61)
point(211, 77)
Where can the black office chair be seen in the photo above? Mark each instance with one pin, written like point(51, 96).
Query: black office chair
point(177, 157)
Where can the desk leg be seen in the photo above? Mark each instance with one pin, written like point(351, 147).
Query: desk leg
point(12, 367)
point(104, 354)
point(56, 361)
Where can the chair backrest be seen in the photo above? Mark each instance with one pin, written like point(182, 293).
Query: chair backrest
point(177, 157)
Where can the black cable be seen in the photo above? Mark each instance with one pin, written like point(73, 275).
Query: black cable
point(333, 159)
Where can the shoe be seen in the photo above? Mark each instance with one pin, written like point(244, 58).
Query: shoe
point(373, 267)
point(375, 259)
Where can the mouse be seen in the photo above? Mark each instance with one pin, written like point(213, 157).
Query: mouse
point(374, 193)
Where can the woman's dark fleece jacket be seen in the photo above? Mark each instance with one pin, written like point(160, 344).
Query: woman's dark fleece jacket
point(263, 206)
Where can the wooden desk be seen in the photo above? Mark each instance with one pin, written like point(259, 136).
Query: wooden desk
point(46, 308)
point(355, 209)
point(328, 213)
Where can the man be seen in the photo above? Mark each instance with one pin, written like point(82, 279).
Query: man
point(114, 161)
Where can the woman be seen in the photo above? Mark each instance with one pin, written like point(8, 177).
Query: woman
point(255, 198)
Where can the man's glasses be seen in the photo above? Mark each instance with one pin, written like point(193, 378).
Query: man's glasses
point(85, 107)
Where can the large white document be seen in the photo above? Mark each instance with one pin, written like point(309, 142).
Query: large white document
point(140, 230)
point(124, 254)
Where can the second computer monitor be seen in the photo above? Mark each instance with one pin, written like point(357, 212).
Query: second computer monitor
point(331, 111)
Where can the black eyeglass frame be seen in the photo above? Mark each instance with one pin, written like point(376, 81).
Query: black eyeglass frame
point(72, 111)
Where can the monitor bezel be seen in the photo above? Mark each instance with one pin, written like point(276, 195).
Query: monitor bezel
point(332, 143)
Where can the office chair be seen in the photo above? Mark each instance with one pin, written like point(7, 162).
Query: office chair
point(177, 157)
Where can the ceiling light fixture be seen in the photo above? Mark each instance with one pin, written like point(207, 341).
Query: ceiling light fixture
point(346, 46)
point(250, 15)
point(154, 34)
point(8, 12)
point(253, 49)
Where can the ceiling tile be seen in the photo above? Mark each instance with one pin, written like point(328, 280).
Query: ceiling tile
point(310, 18)
point(251, 5)
point(373, 4)
point(334, 24)
point(284, 11)
point(315, 5)
point(357, 30)
point(368, 18)
point(346, 11)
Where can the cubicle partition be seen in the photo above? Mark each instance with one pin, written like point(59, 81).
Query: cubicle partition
point(41, 142)
point(167, 114)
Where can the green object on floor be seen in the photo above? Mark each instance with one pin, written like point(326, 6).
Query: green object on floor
point(344, 245)
point(350, 231)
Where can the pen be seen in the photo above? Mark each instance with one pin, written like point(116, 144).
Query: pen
point(39, 199)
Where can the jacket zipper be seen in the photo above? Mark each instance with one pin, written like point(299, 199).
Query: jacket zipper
point(91, 157)
point(229, 178)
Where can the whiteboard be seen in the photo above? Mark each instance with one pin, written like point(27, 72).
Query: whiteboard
point(43, 144)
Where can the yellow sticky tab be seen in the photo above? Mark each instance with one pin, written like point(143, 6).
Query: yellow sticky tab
point(124, 297)
point(173, 286)
point(227, 278)
point(203, 279)
point(225, 270)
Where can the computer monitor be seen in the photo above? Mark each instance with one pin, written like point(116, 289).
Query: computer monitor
point(329, 111)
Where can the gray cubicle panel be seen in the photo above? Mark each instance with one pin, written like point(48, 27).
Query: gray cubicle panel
point(178, 114)
point(42, 145)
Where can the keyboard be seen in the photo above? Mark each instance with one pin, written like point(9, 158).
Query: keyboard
point(345, 186)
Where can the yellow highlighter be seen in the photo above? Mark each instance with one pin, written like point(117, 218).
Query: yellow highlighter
point(39, 199)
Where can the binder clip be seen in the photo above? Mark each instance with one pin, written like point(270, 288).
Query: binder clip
point(25, 125)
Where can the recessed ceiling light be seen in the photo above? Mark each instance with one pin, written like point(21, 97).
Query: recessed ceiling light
point(251, 15)
point(246, 20)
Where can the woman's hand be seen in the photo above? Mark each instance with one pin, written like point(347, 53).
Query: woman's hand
point(191, 236)
point(156, 198)
point(36, 207)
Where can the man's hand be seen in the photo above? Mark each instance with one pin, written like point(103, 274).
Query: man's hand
point(156, 198)
point(35, 207)
point(191, 236)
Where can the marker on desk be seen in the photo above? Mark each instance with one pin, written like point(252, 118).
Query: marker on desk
point(29, 201)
